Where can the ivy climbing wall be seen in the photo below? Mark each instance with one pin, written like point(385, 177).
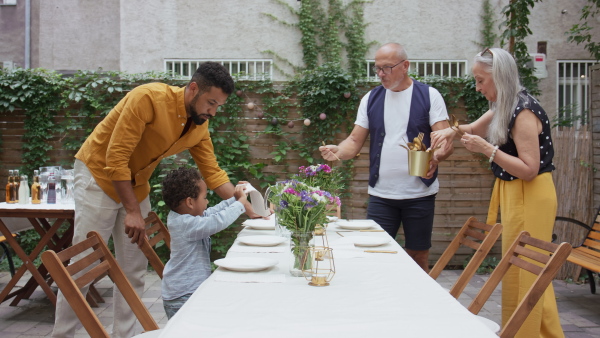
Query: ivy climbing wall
point(465, 181)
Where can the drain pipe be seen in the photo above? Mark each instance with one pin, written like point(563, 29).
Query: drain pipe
point(27, 34)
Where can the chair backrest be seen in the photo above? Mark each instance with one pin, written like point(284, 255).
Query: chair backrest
point(91, 268)
point(337, 212)
point(475, 235)
point(156, 232)
point(549, 257)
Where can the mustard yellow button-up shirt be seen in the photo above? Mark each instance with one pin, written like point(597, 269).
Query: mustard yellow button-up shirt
point(141, 130)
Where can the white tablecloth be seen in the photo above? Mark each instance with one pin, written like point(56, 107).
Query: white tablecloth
point(16, 224)
point(371, 295)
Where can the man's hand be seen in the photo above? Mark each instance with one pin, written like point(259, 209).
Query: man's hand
point(135, 228)
point(433, 164)
point(329, 152)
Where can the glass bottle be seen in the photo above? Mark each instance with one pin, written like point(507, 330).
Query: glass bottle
point(51, 188)
point(9, 188)
point(36, 190)
point(16, 179)
point(24, 190)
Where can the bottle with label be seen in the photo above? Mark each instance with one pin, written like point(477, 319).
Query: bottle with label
point(36, 190)
point(24, 190)
point(10, 197)
point(51, 188)
point(17, 180)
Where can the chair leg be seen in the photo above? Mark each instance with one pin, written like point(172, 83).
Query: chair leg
point(11, 264)
point(95, 294)
point(592, 281)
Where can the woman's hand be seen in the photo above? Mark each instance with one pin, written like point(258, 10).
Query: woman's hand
point(442, 137)
point(475, 143)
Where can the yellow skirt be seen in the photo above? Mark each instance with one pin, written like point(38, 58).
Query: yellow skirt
point(528, 206)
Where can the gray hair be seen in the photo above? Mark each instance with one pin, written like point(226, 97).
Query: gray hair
point(400, 50)
point(505, 75)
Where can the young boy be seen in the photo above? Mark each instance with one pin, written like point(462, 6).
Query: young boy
point(190, 225)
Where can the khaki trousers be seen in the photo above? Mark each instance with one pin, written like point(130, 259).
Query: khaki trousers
point(95, 211)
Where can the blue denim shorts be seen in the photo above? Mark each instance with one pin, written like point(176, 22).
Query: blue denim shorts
point(414, 215)
point(173, 305)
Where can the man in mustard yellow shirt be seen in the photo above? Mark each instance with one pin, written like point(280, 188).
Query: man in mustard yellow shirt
point(114, 164)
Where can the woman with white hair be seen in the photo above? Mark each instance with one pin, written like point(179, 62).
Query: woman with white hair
point(515, 135)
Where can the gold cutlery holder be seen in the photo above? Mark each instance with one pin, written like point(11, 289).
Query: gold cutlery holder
point(418, 162)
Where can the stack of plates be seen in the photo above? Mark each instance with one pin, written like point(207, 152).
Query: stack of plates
point(246, 264)
point(260, 224)
point(356, 225)
point(261, 240)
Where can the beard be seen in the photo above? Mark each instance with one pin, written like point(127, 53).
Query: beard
point(196, 118)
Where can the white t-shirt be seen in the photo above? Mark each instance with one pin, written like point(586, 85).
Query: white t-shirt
point(394, 181)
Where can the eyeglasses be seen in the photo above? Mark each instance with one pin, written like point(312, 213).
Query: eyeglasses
point(385, 69)
point(486, 51)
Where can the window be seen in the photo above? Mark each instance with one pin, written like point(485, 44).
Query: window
point(573, 91)
point(8, 2)
point(447, 68)
point(252, 70)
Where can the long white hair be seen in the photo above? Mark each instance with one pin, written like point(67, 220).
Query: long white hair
point(505, 75)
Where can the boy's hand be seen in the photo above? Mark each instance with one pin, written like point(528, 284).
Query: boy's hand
point(240, 194)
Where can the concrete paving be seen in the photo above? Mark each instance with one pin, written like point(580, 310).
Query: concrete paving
point(34, 317)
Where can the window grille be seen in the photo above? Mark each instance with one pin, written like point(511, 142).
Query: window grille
point(573, 93)
point(422, 68)
point(250, 69)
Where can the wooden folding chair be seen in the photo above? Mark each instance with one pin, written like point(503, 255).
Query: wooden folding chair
point(475, 235)
point(156, 232)
point(548, 264)
point(98, 264)
point(337, 212)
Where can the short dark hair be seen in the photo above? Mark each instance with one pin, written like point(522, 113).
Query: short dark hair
point(180, 184)
point(213, 74)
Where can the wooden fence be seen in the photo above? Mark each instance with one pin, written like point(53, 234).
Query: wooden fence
point(465, 182)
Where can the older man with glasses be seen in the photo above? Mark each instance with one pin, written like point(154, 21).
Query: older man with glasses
point(393, 113)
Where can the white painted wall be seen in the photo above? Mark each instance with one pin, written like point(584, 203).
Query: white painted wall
point(79, 34)
point(137, 35)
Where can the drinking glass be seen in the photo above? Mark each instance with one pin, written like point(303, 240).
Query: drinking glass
point(44, 173)
point(67, 186)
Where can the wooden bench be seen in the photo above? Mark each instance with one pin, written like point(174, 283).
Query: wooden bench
point(587, 254)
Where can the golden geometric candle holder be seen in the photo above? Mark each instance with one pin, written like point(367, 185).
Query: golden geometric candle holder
point(323, 267)
point(321, 271)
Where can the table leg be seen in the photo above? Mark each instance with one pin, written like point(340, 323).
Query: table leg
point(28, 263)
point(58, 245)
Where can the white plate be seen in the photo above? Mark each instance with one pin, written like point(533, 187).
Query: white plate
point(246, 263)
point(356, 225)
point(369, 240)
point(260, 224)
point(261, 227)
point(261, 240)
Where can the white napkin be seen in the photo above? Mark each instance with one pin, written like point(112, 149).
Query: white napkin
point(257, 200)
point(248, 277)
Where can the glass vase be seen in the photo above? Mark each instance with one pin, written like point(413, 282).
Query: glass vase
point(279, 229)
point(300, 254)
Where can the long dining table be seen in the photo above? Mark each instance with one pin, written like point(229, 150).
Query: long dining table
point(372, 294)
